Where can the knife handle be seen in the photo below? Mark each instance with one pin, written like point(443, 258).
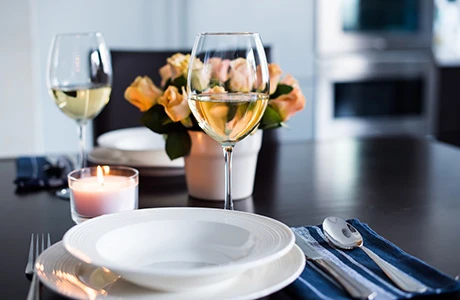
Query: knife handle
point(355, 288)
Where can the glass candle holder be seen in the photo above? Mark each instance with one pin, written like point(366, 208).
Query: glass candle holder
point(102, 190)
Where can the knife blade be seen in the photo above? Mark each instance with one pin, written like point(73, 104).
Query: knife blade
point(355, 288)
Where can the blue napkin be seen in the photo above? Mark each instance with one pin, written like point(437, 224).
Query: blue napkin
point(37, 172)
point(313, 283)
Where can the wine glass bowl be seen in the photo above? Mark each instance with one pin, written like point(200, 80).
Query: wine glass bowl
point(228, 89)
point(80, 78)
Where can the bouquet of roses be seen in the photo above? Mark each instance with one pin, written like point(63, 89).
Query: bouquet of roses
point(166, 111)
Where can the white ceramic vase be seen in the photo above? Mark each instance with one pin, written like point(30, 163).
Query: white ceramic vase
point(205, 167)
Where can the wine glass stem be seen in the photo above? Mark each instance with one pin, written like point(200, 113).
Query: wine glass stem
point(81, 131)
point(228, 151)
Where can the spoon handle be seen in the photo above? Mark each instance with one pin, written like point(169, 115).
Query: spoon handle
point(401, 279)
point(353, 287)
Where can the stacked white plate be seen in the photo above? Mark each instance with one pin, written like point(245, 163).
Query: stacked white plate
point(173, 253)
point(138, 147)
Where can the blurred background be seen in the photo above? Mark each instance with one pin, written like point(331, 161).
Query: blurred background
point(366, 67)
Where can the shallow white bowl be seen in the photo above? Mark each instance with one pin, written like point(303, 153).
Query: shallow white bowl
point(178, 249)
point(139, 146)
point(155, 168)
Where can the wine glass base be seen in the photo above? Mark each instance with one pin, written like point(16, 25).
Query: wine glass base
point(63, 193)
point(78, 218)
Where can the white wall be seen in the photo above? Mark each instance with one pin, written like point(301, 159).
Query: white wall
point(20, 126)
point(29, 120)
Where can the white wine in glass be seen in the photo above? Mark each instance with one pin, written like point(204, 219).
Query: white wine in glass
point(228, 104)
point(80, 80)
point(228, 118)
point(81, 103)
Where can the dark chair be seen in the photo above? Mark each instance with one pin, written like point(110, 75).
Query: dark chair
point(127, 65)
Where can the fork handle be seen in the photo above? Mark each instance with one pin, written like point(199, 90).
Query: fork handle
point(34, 292)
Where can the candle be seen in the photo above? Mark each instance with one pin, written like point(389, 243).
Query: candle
point(102, 190)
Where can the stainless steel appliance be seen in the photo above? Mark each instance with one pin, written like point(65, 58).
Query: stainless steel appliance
point(360, 25)
point(374, 69)
point(375, 93)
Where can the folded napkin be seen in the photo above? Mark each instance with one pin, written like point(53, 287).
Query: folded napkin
point(37, 172)
point(313, 283)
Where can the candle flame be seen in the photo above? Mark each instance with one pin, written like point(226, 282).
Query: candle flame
point(100, 175)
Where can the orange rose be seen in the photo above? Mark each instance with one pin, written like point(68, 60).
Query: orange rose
point(178, 64)
point(165, 73)
point(219, 68)
point(215, 90)
point(275, 73)
point(289, 80)
point(175, 104)
point(143, 93)
point(288, 104)
point(200, 79)
point(242, 75)
point(259, 84)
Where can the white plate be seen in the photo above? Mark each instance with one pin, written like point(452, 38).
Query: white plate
point(179, 248)
point(138, 146)
point(104, 156)
point(64, 274)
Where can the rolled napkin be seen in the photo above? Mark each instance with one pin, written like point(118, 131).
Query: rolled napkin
point(37, 172)
point(313, 283)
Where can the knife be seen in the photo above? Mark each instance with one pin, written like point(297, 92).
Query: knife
point(355, 288)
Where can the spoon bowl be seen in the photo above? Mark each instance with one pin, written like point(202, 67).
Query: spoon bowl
point(343, 235)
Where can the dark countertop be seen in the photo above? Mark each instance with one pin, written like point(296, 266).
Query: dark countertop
point(406, 189)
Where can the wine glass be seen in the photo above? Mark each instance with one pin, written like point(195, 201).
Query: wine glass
point(80, 80)
point(228, 90)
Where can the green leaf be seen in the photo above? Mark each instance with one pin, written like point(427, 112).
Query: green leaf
point(227, 85)
point(167, 83)
point(158, 121)
point(179, 82)
point(281, 89)
point(270, 119)
point(214, 82)
point(178, 144)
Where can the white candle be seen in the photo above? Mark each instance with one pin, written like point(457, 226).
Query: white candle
point(103, 194)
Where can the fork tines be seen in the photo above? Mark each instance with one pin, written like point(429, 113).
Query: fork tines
point(34, 289)
point(37, 246)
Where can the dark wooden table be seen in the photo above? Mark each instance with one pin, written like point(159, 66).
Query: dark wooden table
point(407, 189)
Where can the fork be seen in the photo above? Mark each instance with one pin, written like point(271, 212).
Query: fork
point(39, 244)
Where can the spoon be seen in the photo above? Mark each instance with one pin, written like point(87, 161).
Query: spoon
point(343, 235)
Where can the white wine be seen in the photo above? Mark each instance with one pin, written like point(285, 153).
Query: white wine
point(81, 103)
point(226, 117)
